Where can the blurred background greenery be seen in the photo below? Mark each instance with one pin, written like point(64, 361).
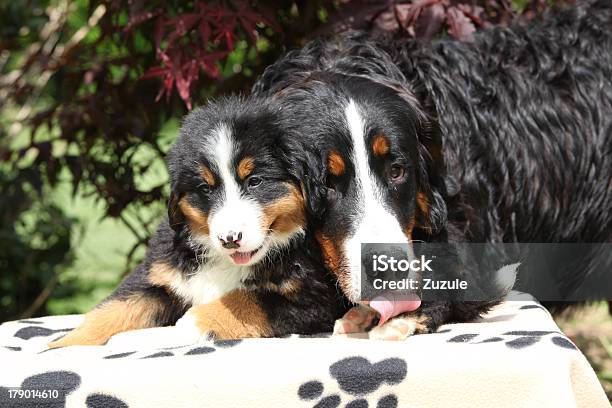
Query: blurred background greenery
point(91, 97)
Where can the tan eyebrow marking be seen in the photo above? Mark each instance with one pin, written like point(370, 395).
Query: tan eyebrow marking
point(245, 167)
point(198, 220)
point(380, 145)
point(335, 163)
point(207, 175)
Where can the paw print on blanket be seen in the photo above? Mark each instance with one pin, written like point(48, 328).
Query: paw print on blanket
point(516, 339)
point(192, 350)
point(29, 332)
point(357, 378)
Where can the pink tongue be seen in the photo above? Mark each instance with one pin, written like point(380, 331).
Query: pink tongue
point(390, 304)
point(241, 258)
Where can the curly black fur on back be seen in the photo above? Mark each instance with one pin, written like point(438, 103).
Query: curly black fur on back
point(518, 122)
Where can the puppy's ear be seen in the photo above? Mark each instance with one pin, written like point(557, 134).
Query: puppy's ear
point(308, 169)
point(315, 195)
point(176, 218)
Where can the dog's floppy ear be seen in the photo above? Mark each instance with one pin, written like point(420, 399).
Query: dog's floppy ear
point(308, 169)
point(432, 180)
point(315, 195)
point(176, 218)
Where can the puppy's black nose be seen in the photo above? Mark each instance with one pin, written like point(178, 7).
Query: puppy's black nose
point(231, 240)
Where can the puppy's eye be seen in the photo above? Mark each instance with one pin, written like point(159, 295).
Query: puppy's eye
point(397, 172)
point(254, 181)
point(204, 188)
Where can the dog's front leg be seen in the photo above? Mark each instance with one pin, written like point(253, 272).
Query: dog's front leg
point(115, 315)
point(236, 315)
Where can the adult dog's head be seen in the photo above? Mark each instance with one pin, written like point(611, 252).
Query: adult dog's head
point(378, 177)
point(232, 194)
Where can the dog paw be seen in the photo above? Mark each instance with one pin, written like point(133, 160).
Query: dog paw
point(359, 319)
point(400, 328)
point(191, 331)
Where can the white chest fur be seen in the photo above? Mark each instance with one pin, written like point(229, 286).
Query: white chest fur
point(211, 281)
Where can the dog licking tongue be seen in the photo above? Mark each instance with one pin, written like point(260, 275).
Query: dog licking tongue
point(391, 304)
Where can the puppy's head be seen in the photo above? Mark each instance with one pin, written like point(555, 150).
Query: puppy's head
point(231, 192)
point(377, 167)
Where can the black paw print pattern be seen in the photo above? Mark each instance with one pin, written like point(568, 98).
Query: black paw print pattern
point(517, 339)
point(179, 351)
point(357, 378)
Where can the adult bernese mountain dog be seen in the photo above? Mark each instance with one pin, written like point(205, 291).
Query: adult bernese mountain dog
point(505, 138)
point(235, 252)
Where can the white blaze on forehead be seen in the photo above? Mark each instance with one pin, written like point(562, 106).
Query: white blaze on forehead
point(376, 223)
point(235, 213)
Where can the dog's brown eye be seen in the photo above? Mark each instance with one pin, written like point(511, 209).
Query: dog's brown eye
point(204, 188)
point(397, 172)
point(254, 181)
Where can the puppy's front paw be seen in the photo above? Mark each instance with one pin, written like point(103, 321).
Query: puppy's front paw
point(358, 319)
point(192, 330)
point(400, 328)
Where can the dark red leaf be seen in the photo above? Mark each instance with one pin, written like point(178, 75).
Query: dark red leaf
point(387, 21)
point(184, 23)
point(154, 72)
point(205, 31)
point(459, 26)
point(159, 32)
point(430, 22)
point(407, 14)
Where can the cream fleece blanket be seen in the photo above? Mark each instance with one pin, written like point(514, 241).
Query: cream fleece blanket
point(516, 356)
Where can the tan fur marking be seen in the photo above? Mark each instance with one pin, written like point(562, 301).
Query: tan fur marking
point(163, 274)
point(287, 213)
point(289, 288)
point(236, 315)
point(423, 211)
point(421, 324)
point(380, 145)
point(207, 175)
point(333, 258)
point(330, 251)
point(423, 203)
point(198, 220)
point(245, 167)
point(335, 163)
point(110, 318)
point(408, 230)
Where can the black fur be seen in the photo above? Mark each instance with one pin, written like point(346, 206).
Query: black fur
point(509, 136)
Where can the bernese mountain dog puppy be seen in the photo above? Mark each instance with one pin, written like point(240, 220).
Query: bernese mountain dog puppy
point(235, 252)
point(506, 138)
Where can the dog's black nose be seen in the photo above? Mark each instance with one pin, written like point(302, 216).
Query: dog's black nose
point(231, 240)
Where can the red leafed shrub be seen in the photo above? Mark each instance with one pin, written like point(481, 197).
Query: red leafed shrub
point(196, 41)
